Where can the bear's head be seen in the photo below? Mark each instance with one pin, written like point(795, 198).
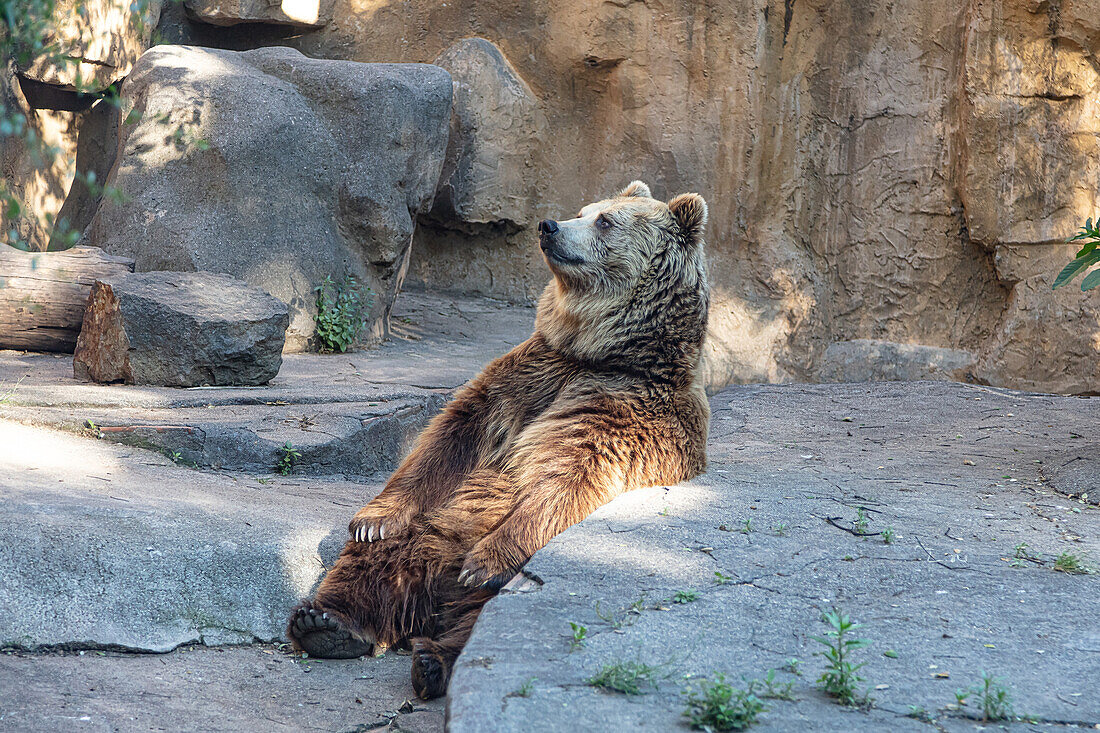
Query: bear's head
point(630, 288)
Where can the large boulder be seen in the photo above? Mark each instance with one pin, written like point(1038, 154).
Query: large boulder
point(103, 38)
point(180, 329)
point(298, 13)
point(277, 169)
point(489, 173)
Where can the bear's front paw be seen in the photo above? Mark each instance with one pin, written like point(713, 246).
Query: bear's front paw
point(377, 522)
point(485, 567)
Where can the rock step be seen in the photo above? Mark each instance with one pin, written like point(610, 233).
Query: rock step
point(127, 550)
point(346, 438)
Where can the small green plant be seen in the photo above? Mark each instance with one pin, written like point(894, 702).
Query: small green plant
point(5, 397)
point(888, 535)
point(579, 634)
point(341, 313)
point(1088, 256)
point(961, 696)
point(718, 706)
point(861, 521)
point(1068, 562)
point(769, 689)
point(1023, 552)
point(175, 456)
point(993, 698)
point(525, 689)
point(288, 457)
point(625, 677)
point(685, 596)
point(794, 666)
point(780, 529)
point(746, 525)
point(721, 578)
point(841, 675)
point(919, 713)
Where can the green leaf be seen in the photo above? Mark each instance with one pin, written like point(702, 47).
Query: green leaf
point(1089, 246)
point(1091, 280)
point(1069, 271)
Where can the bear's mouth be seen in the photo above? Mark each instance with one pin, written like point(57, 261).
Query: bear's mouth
point(555, 255)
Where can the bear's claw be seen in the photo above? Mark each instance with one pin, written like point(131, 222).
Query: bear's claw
point(320, 635)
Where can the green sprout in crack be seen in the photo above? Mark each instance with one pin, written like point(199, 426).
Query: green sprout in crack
point(993, 698)
point(721, 578)
point(861, 522)
point(841, 677)
point(718, 706)
point(525, 689)
point(288, 458)
point(1072, 564)
point(685, 596)
point(627, 678)
point(579, 635)
point(769, 689)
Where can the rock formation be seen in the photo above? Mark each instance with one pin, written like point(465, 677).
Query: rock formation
point(180, 329)
point(277, 169)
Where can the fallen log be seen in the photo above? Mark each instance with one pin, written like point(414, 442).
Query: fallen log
point(43, 294)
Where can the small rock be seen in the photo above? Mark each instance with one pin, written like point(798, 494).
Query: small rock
point(180, 329)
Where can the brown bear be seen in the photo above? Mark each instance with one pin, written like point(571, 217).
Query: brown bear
point(603, 398)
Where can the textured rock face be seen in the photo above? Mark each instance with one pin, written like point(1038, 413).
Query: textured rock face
point(867, 360)
point(180, 329)
point(277, 169)
point(105, 37)
point(867, 164)
point(496, 125)
point(300, 13)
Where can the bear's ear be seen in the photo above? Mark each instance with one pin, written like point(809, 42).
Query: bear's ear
point(690, 211)
point(636, 188)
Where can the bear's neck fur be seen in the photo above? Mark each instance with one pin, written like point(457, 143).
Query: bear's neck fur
point(657, 332)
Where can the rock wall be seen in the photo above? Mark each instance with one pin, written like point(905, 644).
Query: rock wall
point(884, 178)
point(897, 172)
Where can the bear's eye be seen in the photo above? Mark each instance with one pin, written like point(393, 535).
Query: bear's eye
point(602, 222)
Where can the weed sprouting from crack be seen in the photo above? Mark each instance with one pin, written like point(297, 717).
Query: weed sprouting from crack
point(993, 698)
point(861, 522)
point(1072, 564)
point(718, 706)
point(627, 678)
point(841, 676)
point(525, 689)
point(289, 456)
point(579, 635)
point(769, 689)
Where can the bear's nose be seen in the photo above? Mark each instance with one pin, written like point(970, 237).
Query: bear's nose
point(548, 226)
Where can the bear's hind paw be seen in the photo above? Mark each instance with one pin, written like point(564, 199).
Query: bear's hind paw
point(319, 634)
point(430, 673)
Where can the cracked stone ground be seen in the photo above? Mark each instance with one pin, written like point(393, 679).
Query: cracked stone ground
point(108, 544)
point(961, 476)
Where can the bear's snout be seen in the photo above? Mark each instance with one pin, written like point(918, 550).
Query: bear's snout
point(548, 226)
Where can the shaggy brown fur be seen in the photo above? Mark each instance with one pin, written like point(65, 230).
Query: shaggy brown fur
point(603, 398)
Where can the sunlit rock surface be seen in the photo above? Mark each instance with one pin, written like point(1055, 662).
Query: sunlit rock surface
point(277, 169)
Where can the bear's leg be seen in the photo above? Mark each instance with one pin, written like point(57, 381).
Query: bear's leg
point(433, 659)
point(376, 595)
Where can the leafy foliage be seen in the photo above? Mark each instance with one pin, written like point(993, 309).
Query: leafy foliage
point(341, 313)
point(1088, 256)
point(28, 34)
point(718, 706)
point(289, 456)
point(841, 676)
